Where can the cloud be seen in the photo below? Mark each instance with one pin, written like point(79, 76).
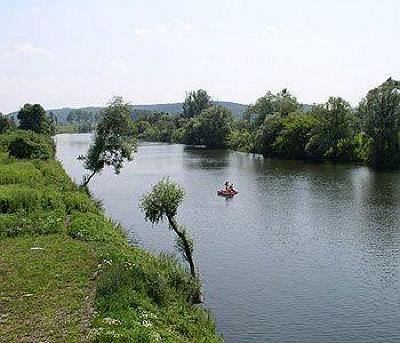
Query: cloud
point(28, 49)
point(271, 30)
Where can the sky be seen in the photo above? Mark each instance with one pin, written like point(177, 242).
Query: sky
point(77, 53)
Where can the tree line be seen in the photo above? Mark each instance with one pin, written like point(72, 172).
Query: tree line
point(278, 126)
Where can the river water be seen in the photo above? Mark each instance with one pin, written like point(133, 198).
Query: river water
point(304, 253)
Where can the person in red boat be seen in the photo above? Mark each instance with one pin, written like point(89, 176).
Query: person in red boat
point(227, 186)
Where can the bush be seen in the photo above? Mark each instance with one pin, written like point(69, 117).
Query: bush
point(29, 145)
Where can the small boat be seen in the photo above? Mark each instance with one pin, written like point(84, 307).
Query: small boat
point(225, 193)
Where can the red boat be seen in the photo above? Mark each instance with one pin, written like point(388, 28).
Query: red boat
point(226, 193)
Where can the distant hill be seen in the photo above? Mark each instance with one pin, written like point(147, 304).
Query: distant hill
point(172, 108)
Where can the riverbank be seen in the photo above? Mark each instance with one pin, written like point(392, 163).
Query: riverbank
point(67, 272)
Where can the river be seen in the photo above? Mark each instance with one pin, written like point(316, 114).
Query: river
point(304, 253)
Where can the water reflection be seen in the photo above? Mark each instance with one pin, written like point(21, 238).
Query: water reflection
point(199, 158)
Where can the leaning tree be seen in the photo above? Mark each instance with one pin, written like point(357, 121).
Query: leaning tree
point(113, 143)
point(163, 202)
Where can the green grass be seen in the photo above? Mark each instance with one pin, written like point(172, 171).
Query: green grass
point(67, 273)
point(43, 285)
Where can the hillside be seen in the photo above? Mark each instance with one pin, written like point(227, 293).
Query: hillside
point(172, 108)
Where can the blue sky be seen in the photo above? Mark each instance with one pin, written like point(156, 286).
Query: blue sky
point(79, 53)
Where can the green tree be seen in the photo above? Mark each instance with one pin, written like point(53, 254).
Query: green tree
point(280, 104)
point(381, 113)
point(334, 123)
point(5, 123)
point(293, 135)
point(33, 117)
point(113, 143)
point(211, 128)
point(195, 103)
point(269, 133)
point(163, 202)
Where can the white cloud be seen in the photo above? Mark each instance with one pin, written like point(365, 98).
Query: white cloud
point(28, 49)
point(271, 30)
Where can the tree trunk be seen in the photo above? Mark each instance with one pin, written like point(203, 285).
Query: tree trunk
point(88, 179)
point(197, 297)
point(186, 246)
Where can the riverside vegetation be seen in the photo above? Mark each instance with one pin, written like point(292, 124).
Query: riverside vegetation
point(67, 272)
point(276, 126)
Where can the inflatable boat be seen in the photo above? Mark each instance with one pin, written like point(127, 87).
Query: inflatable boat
point(225, 193)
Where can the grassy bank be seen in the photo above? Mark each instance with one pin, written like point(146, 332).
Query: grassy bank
point(67, 273)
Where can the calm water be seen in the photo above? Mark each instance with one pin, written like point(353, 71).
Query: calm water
point(304, 253)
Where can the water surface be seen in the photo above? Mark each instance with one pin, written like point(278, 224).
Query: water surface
point(304, 253)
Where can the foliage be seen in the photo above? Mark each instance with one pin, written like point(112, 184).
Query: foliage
point(162, 201)
point(33, 118)
point(195, 102)
point(293, 136)
point(5, 123)
point(333, 128)
point(30, 145)
point(113, 143)
point(212, 128)
point(83, 119)
point(381, 113)
point(242, 140)
point(280, 104)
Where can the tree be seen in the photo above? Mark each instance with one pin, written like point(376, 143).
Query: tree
point(5, 123)
point(280, 104)
point(334, 122)
point(163, 202)
point(195, 103)
point(33, 117)
point(113, 143)
point(293, 135)
point(381, 113)
point(212, 128)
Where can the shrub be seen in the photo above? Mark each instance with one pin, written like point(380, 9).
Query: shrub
point(29, 145)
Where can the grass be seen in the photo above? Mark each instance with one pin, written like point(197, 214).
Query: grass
point(43, 286)
point(67, 273)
